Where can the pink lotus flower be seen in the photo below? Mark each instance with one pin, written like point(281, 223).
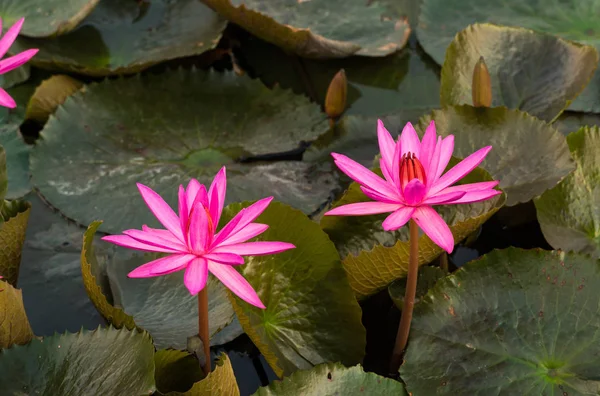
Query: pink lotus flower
point(192, 240)
point(13, 62)
point(414, 182)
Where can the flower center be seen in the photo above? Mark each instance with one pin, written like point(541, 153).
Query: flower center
point(411, 168)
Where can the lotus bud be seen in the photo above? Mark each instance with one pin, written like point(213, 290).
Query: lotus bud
point(482, 85)
point(335, 101)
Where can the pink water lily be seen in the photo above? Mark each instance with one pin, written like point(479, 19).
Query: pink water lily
point(12, 62)
point(413, 182)
point(192, 240)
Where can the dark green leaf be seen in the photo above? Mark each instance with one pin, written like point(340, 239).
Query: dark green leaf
point(176, 371)
point(428, 276)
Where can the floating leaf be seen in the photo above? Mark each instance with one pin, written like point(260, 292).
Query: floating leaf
point(528, 156)
point(221, 381)
point(12, 236)
point(49, 95)
point(333, 379)
point(3, 174)
point(128, 36)
point(311, 316)
point(17, 158)
point(45, 18)
point(319, 28)
point(534, 72)
point(176, 371)
point(101, 362)
point(15, 76)
point(164, 307)
point(105, 150)
point(441, 20)
point(569, 213)
point(90, 274)
point(50, 277)
point(513, 322)
point(14, 325)
point(428, 276)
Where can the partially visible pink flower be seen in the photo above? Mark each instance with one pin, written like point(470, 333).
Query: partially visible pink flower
point(413, 182)
point(12, 62)
point(192, 240)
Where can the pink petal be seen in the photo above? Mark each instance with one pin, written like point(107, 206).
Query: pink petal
point(164, 234)
point(13, 62)
point(461, 169)
point(362, 175)
point(236, 283)
point(196, 275)
point(193, 189)
point(398, 218)
point(410, 140)
point(363, 208)
point(225, 258)
point(414, 192)
point(242, 219)
point(9, 37)
point(248, 232)
point(131, 243)
point(428, 145)
point(216, 196)
point(432, 167)
point(479, 186)
point(162, 266)
point(6, 100)
point(150, 238)
point(396, 164)
point(199, 234)
point(435, 227)
point(475, 196)
point(444, 198)
point(254, 248)
point(183, 209)
point(446, 150)
point(162, 211)
point(374, 195)
point(387, 145)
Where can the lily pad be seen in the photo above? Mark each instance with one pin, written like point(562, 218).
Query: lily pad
point(441, 20)
point(513, 322)
point(17, 158)
point(50, 274)
point(14, 325)
point(333, 379)
point(12, 235)
point(100, 362)
point(121, 37)
point(569, 213)
point(319, 28)
point(50, 94)
point(374, 258)
point(46, 18)
point(528, 156)
point(311, 314)
point(176, 371)
point(537, 73)
point(406, 80)
point(203, 120)
point(15, 77)
point(427, 278)
point(164, 307)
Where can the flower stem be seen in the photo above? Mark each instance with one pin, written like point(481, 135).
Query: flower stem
point(444, 262)
point(203, 327)
point(409, 300)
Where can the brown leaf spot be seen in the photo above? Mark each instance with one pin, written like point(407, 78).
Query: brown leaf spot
point(451, 311)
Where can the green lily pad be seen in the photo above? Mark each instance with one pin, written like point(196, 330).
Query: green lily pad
point(3, 174)
point(534, 72)
point(333, 379)
point(14, 325)
point(515, 321)
point(17, 158)
point(176, 370)
point(100, 362)
point(50, 94)
point(50, 275)
point(406, 80)
point(569, 213)
point(528, 156)
point(15, 77)
point(311, 314)
point(164, 307)
point(374, 258)
point(319, 28)
point(441, 20)
point(121, 37)
point(105, 150)
point(12, 235)
point(46, 18)
point(427, 278)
